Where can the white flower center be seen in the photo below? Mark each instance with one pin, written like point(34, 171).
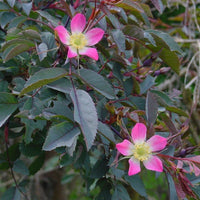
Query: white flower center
point(78, 41)
point(141, 151)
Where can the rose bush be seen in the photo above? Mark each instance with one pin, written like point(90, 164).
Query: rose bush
point(82, 82)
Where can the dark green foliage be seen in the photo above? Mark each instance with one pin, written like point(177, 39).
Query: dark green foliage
point(61, 117)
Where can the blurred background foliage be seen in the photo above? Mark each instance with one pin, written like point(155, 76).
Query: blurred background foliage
point(148, 71)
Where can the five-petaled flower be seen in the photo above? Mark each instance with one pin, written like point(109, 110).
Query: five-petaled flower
point(78, 41)
point(142, 150)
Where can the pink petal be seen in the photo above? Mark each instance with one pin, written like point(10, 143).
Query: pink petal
point(134, 166)
point(71, 52)
point(94, 35)
point(62, 34)
point(125, 148)
point(78, 23)
point(90, 52)
point(153, 163)
point(138, 133)
point(157, 143)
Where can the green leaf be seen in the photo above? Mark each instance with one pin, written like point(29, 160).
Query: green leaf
point(27, 7)
point(120, 193)
point(106, 132)
point(58, 111)
point(137, 184)
point(60, 135)
point(105, 186)
point(62, 85)
point(5, 18)
point(42, 51)
point(11, 2)
point(15, 42)
point(43, 77)
point(15, 50)
point(85, 114)
point(172, 189)
point(119, 39)
point(20, 167)
point(30, 34)
point(97, 82)
point(151, 107)
point(168, 123)
point(37, 164)
point(161, 96)
point(11, 194)
point(167, 39)
point(176, 110)
point(148, 82)
point(8, 105)
point(49, 17)
point(3, 6)
point(17, 21)
point(130, 5)
point(100, 168)
point(134, 31)
point(171, 59)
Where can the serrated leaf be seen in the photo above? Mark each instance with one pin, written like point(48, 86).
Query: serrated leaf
point(11, 194)
point(151, 107)
point(42, 51)
point(43, 77)
point(97, 82)
point(85, 114)
point(8, 104)
point(137, 184)
point(119, 39)
point(176, 110)
point(60, 135)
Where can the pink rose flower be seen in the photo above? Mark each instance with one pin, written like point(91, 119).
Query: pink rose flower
point(79, 41)
point(142, 150)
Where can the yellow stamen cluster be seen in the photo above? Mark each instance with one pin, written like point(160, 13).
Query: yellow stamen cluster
point(78, 41)
point(141, 151)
